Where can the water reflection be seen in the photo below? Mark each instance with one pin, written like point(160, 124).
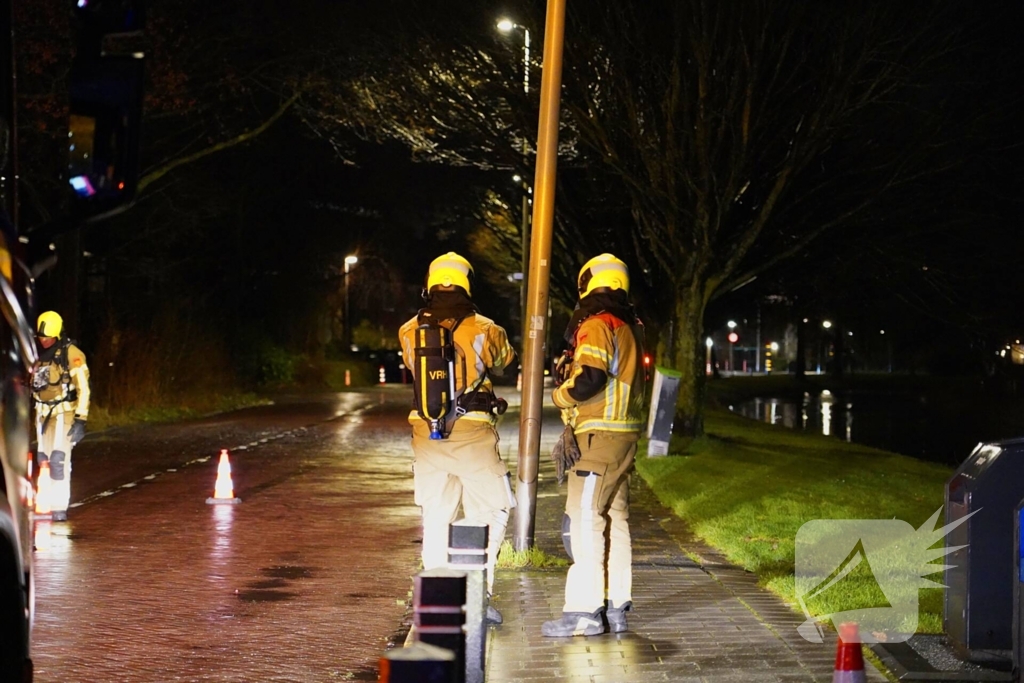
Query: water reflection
point(902, 422)
point(51, 540)
point(825, 413)
point(223, 516)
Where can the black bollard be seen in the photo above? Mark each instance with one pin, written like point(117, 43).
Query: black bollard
point(467, 551)
point(439, 613)
point(418, 663)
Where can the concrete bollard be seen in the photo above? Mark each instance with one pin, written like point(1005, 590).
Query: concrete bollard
point(439, 613)
point(467, 552)
point(418, 663)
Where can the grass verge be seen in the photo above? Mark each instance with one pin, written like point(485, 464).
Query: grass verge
point(531, 558)
point(748, 487)
point(101, 418)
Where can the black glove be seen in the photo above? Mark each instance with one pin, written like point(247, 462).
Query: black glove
point(563, 367)
point(77, 431)
point(566, 453)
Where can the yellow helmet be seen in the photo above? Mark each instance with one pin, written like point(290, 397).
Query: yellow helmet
point(450, 270)
point(49, 324)
point(603, 271)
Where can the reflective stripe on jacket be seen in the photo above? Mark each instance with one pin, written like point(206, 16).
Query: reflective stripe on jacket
point(608, 344)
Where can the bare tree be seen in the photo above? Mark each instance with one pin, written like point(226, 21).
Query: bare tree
point(736, 133)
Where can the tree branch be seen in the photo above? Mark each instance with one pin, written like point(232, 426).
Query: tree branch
point(160, 172)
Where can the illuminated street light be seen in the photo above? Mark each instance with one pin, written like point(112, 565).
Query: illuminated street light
point(506, 25)
point(731, 324)
point(826, 324)
point(517, 178)
point(774, 346)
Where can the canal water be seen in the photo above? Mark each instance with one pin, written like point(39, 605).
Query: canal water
point(907, 424)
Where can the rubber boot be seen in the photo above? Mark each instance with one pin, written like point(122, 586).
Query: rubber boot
point(617, 617)
point(574, 624)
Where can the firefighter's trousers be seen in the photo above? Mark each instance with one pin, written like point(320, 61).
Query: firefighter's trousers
point(54, 447)
point(598, 509)
point(464, 469)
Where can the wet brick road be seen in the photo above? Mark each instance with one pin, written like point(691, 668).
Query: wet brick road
point(306, 580)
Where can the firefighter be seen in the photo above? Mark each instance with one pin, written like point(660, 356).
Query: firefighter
point(602, 400)
point(460, 466)
point(60, 388)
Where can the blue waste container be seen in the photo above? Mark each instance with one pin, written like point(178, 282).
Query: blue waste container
point(978, 610)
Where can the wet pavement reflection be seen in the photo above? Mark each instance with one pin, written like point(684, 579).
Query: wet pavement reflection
point(306, 580)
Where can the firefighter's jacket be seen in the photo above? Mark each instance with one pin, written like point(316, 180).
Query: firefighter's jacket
point(604, 346)
point(484, 345)
point(60, 382)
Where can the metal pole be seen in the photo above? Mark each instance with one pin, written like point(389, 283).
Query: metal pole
point(540, 275)
point(525, 230)
point(525, 187)
point(348, 321)
point(757, 344)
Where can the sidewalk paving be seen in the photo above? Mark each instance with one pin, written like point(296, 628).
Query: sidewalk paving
point(697, 618)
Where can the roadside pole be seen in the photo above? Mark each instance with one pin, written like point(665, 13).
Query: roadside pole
point(540, 276)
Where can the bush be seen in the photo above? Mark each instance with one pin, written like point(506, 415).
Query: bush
point(269, 364)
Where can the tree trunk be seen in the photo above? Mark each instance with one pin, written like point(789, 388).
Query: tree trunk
point(690, 358)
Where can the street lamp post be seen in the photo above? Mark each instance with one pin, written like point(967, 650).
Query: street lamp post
point(349, 262)
point(506, 25)
point(732, 331)
point(823, 355)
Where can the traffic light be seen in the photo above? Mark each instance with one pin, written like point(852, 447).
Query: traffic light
point(733, 337)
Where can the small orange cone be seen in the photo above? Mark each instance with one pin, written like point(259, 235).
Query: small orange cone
point(223, 490)
point(849, 657)
point(43, 493)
